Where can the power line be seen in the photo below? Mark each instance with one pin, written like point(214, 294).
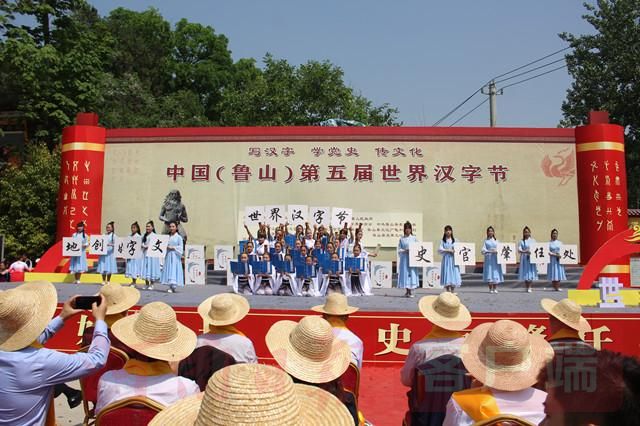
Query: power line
point(535, 76)
point(529, 71)
point(457, 107)
point(532, 62)
point(469, 112)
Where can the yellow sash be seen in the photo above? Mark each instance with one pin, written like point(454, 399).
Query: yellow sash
point(336, 322)
point(441, 333)
point(141, 368)
point(565, 333)
point(478, 403)
point(224, 329)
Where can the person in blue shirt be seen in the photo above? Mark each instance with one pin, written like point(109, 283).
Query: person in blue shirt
point(449, 271)
point(407, 276)
point(134, 266)
point(528, 271)
point(491, 270)
point(107, 262)
point(172, 273)
point(150, 265)
point(555, 271)
point(78, 264)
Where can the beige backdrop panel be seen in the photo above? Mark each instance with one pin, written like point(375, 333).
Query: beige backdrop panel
point(136, 184)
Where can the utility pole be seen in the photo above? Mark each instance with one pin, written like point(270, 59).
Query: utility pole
point(492, 92)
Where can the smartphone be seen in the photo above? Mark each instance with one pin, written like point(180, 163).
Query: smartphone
point(85, 302)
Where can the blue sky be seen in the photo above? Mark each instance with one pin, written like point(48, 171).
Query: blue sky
point(423, 57)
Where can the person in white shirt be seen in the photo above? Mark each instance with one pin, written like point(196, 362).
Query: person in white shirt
point(506, 360)
point(449, 317)
point(20, 265)
point(336, 311)
point(220, 314)
point(158, 338)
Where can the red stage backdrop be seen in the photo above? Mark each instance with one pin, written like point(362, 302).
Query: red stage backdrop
point(387, 336)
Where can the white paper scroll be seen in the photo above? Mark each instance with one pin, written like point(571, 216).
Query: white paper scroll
point(340, 216)
point(275, 215)
point(320, 216)
point(98, 244)
point(539, 253)
point(465, 254)
point(71, 247)
point(421, 254)
point(157, 246)
point(506, 253)
point(253, 215)
point(298, 214)
point(569, 254)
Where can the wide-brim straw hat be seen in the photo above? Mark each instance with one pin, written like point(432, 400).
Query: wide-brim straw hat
point(155, 332)
point(255, 394)
point(335, 304)
point(308, 350)
point(503, 355)
point(445, 311)
point(568, 312)
point(224, 309)
point(25, 312)
point(119, 298)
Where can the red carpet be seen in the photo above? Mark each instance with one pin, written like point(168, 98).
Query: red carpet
point(383, 399)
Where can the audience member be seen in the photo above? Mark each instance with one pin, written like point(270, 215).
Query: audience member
point(565, 324)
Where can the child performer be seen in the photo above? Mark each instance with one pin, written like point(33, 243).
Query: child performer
point(492, 270)
point(265, 283)
point(261, 244)
point(528, 271)
point(555, 271)
point(449, 271)
point(309, 241)
point(107, 262)
point(308, 285)
point(78, 264)
point(134, 266)
point(286, 284)
point(243, 283)
point(333, 281)
point(172, 273)
point(150, 265)
point(407, 276)
point(358, 283)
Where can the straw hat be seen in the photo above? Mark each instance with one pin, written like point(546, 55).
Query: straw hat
point(119, 298)
point(335, 304)
point(566, 311)
point(255, 394)
point(224, 309)
point(307, 350)
point(446, 311)
point(25, 311)
point(155, 332)
point(504, 356)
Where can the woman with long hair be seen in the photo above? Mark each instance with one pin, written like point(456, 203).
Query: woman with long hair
point(150, 265)
point(407, 276)
point(491, 270)
point(134, 266)
point(78, 264)
point(172, 273)
point(555, 271)
point(107, 264)
point(528, 271)
point(449, 271)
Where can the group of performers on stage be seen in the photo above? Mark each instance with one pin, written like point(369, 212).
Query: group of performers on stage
point(313, 261)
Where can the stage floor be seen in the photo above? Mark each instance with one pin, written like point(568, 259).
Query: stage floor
point(476, 298)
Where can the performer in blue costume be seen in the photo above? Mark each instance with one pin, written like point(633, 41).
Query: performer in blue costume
point(492, 270)
point(78, 264)
point(150, 265)
point(407, 276)
point(449, 271)
point(172, 273)
point(134, 266)
point(555, 271)
point(528, 272)
point(107, 262)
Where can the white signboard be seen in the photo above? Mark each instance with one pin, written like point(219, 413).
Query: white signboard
point(506, 253)
point(98, 244)
point(539, 253)
point(465, 254)
point(253, 215)
point(157, 246)
point(275, 215)
point(386, 228)
point(222, 255)
point(431, 276)
point(298, 214)
point(320, 216)
point(71, 247)
point(421, 254)
point(195, 269)
point(341, 216)
point(381, 273)
point(132, 247)
point(569, 254)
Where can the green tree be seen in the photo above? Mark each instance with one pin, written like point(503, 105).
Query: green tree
point(28, 219)
point(606, 75)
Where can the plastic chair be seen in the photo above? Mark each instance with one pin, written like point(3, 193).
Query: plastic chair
point(89, 384)
point(504, 420)
point(351, 380)
point(134, 411)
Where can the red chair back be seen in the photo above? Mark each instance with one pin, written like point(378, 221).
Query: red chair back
point(135, 411)
point(350, 380)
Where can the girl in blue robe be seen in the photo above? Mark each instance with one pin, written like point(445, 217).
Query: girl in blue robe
point(528, 271)
point(555, 271)
point(407, 276)
point(107, 262)
point(172, 273)
point(134, 266)
point(492, 270)
point(78, 264)
point(150, 265)
point(449, 271)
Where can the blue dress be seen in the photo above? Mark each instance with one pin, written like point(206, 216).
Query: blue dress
point(150, 265)
point(449, 271)
point(407, 276)
point(78, 264)
point(172, 273)
point(492, 270)
point(555, 271)
point(528, 271)
point(107, 262)
point(134, 267)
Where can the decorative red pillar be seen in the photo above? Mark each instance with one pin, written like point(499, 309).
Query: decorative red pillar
point(602, 189)
point(81, 176)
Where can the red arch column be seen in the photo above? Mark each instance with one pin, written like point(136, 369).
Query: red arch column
point(602, 190)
